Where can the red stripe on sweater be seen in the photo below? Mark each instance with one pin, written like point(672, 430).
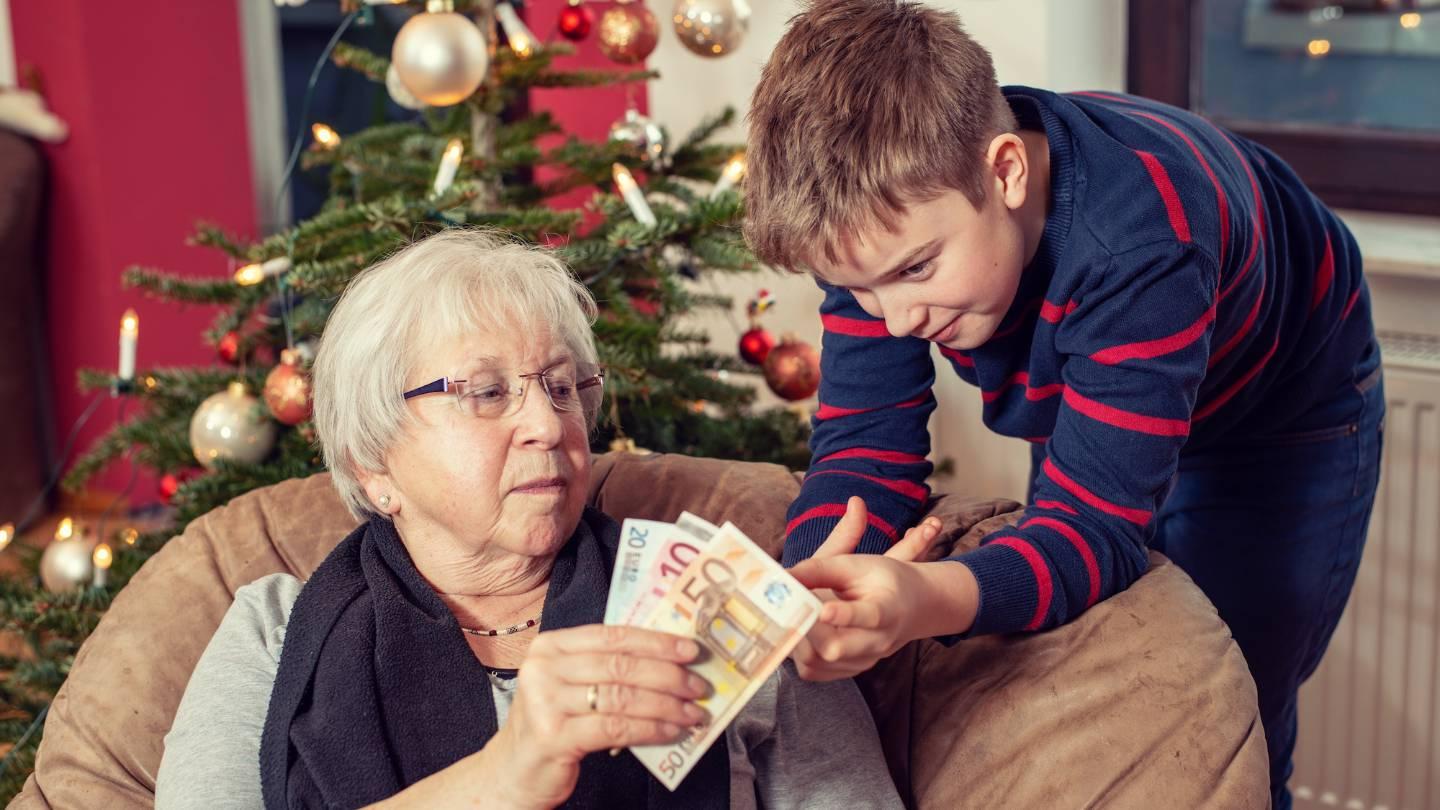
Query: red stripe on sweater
point(1139, 517)
point(1057, 505)
point(1023, 378)
point(1054, 312)
point(1126, 420)
point(835, 411)
point(1146, 349)
point(1044, 588)
point(854, 327)
point(959, 357)
point(1105, 96)
point(1173, 208)
point(1092, 568)
point(825, 510)
point(909, 489)
point(1229, 345)
point(1349, 305)
point(891, 456)
point(1225, 396)
point(1221, 203)
point(1324, 276)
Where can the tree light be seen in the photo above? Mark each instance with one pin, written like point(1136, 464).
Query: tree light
point(522, 42)
point(325, 137)
point(630, 192)
point(252, 274)
point(729, 176)
point(129, 335)
point(449, 164)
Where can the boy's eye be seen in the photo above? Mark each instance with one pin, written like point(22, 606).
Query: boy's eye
point(917, 270)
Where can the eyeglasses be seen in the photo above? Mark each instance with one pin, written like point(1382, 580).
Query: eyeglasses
point(500, 393)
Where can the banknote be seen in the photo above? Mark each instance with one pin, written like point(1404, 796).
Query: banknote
point(640, 541)
point(747, 613)
point(676, 550)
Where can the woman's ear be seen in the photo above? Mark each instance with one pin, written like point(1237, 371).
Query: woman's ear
point(381, 491)
point(1010, 167)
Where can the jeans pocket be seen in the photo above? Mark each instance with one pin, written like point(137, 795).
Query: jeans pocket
point(1305, 436)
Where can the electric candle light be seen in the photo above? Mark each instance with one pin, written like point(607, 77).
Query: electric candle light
point(729, 176)
point(129, 335)
point(449, 164)
point(252, 274)
point(325, 137)
point(630, 192)
point(522, 42)
point(65, 530)
point(7, 533)
point(102, 558)
point(130, 536)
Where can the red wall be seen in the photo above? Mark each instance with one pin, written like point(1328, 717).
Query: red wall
point(154, 96)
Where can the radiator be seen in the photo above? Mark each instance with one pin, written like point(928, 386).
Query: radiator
point(1370, 716)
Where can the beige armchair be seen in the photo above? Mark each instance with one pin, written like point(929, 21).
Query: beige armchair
point(1144, 702)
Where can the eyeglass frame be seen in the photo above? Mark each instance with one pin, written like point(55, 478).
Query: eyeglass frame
point(446, 385)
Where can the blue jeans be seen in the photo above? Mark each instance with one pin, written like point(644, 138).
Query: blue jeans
point(1271, 528)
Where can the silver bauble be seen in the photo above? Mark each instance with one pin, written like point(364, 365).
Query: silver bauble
point(644, 136)
point(399, 93)
point(231, 425)
point(711, 27)
point(440, 57)
point(66, 564)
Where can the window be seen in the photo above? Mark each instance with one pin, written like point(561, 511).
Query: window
point(1346, 91)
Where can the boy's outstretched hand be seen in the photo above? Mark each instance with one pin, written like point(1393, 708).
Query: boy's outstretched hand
point(875, 604)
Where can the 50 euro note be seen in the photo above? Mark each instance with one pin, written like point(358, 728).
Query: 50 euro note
point(747, 613)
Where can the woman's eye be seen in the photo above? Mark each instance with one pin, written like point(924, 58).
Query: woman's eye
point(489, 393)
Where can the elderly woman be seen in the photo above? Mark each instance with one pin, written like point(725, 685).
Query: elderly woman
point(448, 653)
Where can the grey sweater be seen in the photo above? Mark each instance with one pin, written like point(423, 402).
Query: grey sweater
point(796, 744)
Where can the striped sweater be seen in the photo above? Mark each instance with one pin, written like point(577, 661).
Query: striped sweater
point(1187, 291)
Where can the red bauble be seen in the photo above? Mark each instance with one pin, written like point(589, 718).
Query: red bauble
point(755, 345)
point(575, 22)
point(793, 369)
point(287, 390)
point(229, 346)
point(169, 485)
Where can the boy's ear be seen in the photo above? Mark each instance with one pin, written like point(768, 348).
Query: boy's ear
point(1010, 169)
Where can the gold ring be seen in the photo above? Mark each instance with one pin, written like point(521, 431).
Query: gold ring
point(592, 696)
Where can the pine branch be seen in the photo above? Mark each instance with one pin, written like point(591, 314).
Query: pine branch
point(183, 290)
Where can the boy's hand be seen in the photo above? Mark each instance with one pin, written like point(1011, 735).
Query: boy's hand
point(875, 604)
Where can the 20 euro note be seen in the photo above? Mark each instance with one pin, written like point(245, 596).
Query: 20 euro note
point(747, 613)
point(640, 541)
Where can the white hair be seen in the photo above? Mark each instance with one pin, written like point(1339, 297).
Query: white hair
point(449, 284)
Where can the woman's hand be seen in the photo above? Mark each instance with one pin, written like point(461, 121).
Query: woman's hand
point(586, 689)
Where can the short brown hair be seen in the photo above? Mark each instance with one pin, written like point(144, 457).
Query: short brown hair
point(865, 107)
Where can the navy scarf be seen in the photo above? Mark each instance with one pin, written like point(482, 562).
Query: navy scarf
point(377, 688)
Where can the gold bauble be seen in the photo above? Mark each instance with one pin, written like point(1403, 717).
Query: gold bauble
point(711, 27)
point(440, 57)
point(66, 564)
point(628, 32)
point(231, 425)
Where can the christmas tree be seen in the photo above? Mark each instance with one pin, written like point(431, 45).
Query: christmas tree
point(660, 216)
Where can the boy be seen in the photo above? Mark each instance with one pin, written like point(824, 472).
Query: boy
point(1162, 307)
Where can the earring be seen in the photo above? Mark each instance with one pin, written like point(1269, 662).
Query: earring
point(384, 501)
